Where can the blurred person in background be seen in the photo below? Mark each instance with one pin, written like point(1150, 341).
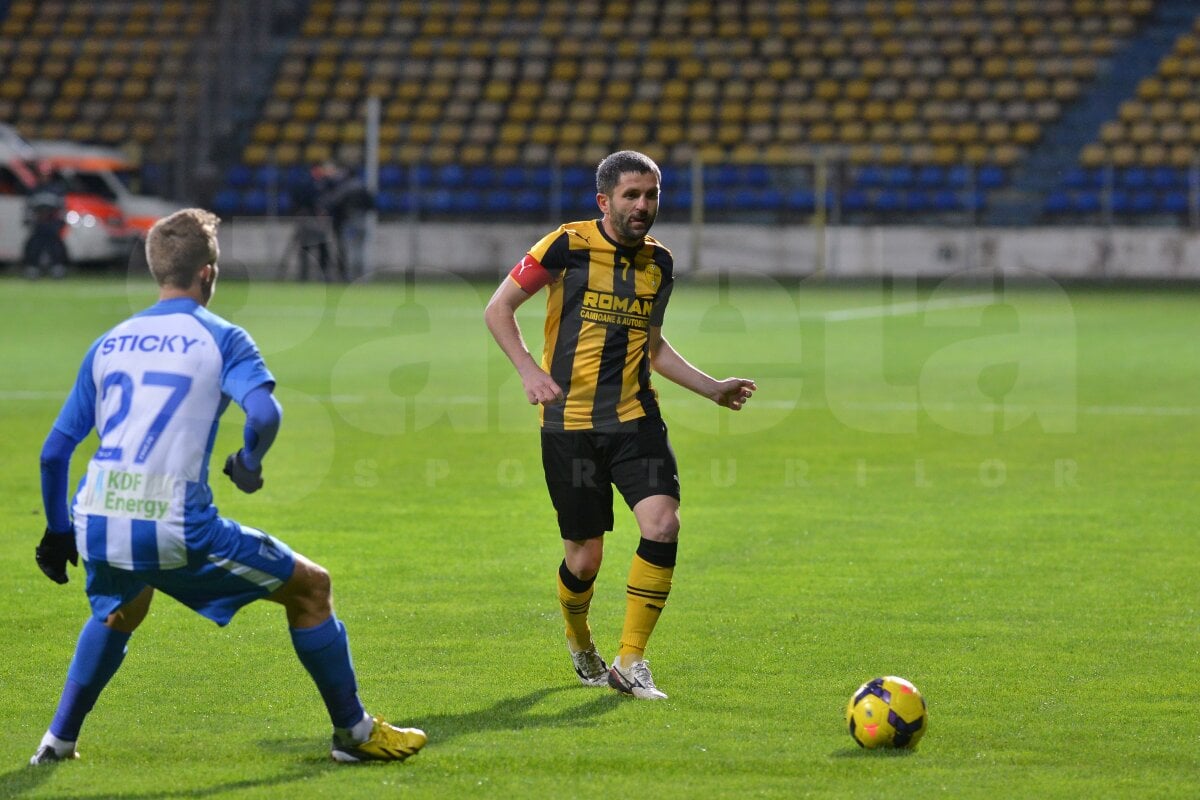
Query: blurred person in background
point(45, 210)
point(311, 237)
point(349, 203)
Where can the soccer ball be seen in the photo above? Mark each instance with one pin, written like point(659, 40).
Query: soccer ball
point(887, 712)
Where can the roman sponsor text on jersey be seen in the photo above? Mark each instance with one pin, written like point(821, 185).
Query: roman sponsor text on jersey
point(608, 308)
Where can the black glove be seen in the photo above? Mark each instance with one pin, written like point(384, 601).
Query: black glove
point(246, 479)
point(55, 550)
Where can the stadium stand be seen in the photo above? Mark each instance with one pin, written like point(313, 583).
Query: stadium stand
point(1144, 162)
point(920, 109)
point(105, 72)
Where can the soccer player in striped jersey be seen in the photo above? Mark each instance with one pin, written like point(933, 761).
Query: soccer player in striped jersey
point(609, 283)
point(154, 388)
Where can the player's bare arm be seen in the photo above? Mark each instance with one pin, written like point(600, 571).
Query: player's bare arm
point(731, 393)
point(501, 318)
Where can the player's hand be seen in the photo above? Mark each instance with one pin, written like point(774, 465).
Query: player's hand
point(733, 393)
point(540, 387)
point(52, 555)
point(244, 478)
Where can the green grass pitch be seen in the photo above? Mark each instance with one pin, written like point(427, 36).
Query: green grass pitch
point(990, 492)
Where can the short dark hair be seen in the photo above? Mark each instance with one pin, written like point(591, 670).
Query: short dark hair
point(180, 245)
point(609, 173)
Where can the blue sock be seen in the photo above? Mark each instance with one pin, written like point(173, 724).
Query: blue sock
point(97, 656)
point(324, 650)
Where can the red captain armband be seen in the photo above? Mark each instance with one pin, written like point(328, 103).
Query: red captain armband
point(530, 275)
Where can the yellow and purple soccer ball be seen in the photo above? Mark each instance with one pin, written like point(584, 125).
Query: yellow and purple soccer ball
point(887, 712)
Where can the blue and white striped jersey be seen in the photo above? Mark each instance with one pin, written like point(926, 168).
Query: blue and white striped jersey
point(154, 388)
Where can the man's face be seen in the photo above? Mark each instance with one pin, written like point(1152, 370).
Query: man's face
point(631, 208)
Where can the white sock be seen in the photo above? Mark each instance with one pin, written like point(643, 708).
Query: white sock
point(61, 746)
point(361, 730)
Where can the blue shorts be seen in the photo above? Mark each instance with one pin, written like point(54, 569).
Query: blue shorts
point(229, 566)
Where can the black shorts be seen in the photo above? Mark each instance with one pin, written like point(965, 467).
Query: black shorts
point(582, 467)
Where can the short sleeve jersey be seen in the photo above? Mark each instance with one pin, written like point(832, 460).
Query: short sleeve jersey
point(154, 388)
point(603, 299)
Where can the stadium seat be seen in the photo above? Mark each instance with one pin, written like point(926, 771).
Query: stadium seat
point(226, 202)
point(1057, 203)
point(919, 101)
point(1086, 202)
point(238, 176)
point(391, 176)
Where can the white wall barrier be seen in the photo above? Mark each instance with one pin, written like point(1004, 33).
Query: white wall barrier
point(488, 250)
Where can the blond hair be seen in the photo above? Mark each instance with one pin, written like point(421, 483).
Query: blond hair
point(180, 245)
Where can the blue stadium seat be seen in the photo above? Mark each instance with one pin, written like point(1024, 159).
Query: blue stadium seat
point(391, 202)
point(438, 201)
point(267, 175)
point(499, 201)
point(585, 199)
point(450, 176)
point(298, 175)
point(931, 176)
point(1175, 202)
point(718, 198)
point(867, 177)
point(512, 178)
point(421, 175)
point(1086, 202)
point(391, 176)
point(254, 202)
point(916, 201)
point(574, 178)
point(958, 176)
point(804, 200)
point(900, 177)
point(1168, 178)
point(855, 200)
point(1144, 202)
point(1122, 202)
point(946, 200)
point(226, 202)
point(238, 176)
point(754, 175)
point(676, 199)
point(480, 176)
point(466, 201)
point(887, 201)
point(1134, 178)
point(721, 175)
point(1057, 202)
point(540, 177)
point(990, 177)
point(529, 201)
point(1076, 178)
point(749, 198)
point(672, 176)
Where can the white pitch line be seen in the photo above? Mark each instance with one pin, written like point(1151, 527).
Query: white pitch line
point(914, 307)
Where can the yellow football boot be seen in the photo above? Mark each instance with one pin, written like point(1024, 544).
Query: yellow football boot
point(386, 743)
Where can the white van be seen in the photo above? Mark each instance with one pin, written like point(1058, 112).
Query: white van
point(96, 230)
point(105, 172)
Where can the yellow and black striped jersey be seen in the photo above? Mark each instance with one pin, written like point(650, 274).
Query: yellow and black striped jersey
point(603, 299)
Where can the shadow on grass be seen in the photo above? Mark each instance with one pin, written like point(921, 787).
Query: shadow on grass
point(862, 752)
point(516, 713)
point(22, 781)
point(509, 714)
